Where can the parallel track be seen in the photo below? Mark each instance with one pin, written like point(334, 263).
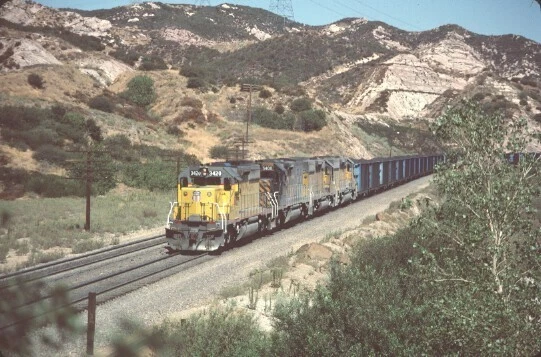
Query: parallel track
point(109, 288)
point(59, 266)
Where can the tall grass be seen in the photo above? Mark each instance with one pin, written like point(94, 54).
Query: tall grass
point(41, 224)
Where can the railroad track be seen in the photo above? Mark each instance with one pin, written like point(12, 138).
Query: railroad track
point(63, 265)
point(106, 287)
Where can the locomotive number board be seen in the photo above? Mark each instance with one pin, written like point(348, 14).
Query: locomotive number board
point(204, 172)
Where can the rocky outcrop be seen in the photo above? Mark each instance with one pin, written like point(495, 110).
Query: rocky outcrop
point(19, 53)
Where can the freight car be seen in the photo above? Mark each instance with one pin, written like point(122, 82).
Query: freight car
point(222, 203)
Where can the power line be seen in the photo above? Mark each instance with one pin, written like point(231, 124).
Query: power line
point(387, 15)
point(328, 8)
point(283, 8)
point(354, 10)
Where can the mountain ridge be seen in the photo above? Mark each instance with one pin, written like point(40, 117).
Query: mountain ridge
point(356, 71)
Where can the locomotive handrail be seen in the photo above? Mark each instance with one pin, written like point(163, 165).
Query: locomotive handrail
point(271, 202)
point(224, 219)
point(168, 222)
point(276, 202)
point(311, 201)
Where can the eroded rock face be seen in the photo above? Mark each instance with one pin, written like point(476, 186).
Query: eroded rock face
point(104, 71)
point(25, 53)
point(452, 55)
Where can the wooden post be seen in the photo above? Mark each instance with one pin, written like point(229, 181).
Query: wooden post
point(91, 326)
point(88, 188)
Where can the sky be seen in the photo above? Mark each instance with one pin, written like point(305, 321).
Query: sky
point(487, 17)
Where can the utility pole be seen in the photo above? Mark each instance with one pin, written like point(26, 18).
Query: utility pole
point(248, 88)
point(174, 158)
point(88, 176)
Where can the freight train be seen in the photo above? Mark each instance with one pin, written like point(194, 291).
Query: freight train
point(222, 203)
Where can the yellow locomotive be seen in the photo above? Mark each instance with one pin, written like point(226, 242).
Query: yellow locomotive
point(214, 206)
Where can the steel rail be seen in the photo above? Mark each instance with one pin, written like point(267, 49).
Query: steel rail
point(106, 290)
point(40, 271)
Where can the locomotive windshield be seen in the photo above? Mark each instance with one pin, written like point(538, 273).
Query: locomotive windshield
point(206, 181)
point(268, 175)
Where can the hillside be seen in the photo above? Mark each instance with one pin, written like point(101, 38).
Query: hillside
point(376, 87)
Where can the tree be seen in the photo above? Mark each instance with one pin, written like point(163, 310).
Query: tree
point(35, 80)
point(301, 104)
point(312, 120)
point(102, 103)
point(479, 255)
point(93, 130)
point(140, 91)
point(493, 196)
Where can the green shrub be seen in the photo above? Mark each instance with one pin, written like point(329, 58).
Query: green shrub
point(5, 217)
point(4, 250)
point(270, 119)
point(35, 81)
point(152, 63)
point(94, 131)
point(174, 130)
point(87, 245)
point(479, 96)
point(21, 118)
point(195, 83)
point(22, 248)
point(40, 257)
point(224, 332)
point(102, 103)
point(126, 55)
point(50, 154)
point(219, 152)
point(529, 81)
point(301, 104)
point(53, 186)
point(41, 136)
point(279, 109)
point(294, 91)
point(192, 72)
point(191, 102)
point(265, 93)
point(140, 91)
point(58, 111)
point(191, 115)
point(154, 175)
point(84, 42)
point(311, 120)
